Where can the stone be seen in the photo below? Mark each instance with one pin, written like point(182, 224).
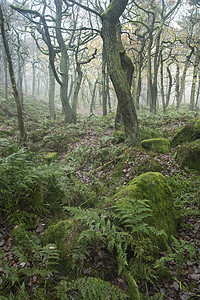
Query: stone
point(159, 145)
point(185, 134)
point(197, 129)
point(188, 155)
point(153, 186)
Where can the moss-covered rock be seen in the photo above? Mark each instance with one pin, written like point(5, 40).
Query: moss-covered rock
point(188, 155)
point(160, 145)
point(185, 134)
point(135, 162)
point(197, 129)
point(153, 186)
point(148, 133)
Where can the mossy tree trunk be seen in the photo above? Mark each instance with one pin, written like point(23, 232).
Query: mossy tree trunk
point(120, 68)
point(23, 135)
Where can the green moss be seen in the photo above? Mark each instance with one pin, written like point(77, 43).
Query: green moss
point(197, 129)
point(185, 134)
point(154, 187)
point(188, 155)
point(147, 133)
point(136, 165)
point(51, 156)
point(160, 145)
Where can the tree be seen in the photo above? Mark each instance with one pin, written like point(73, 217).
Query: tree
point(119, 64)
point(12, 78)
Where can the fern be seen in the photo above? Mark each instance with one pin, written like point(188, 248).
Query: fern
point(180, 252)
point(133, 215)
point(97, 226)
point(89, 289)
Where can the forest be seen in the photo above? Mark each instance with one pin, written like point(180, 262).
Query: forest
point(100, 149)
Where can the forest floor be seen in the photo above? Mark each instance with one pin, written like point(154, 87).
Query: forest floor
point(93, 152)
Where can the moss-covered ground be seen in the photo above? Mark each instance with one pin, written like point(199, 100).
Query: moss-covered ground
point(83, 166)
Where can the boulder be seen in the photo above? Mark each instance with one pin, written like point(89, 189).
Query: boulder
point(153, 186)
point(160, 145)
point(197, 129)
point(185, 134)
point(188, 155)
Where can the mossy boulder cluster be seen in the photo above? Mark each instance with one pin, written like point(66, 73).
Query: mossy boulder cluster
point(160, 145)
point(153, 186)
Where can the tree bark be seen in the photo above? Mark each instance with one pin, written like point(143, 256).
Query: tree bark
point(12, 78)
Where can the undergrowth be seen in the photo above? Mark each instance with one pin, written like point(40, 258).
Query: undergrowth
point(113, 251)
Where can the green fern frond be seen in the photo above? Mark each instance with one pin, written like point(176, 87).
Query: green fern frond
point(133, 215)
point(89, 289)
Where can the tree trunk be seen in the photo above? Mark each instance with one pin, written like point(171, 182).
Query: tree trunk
point(34, 79)
point(51, 93)
point(198, 92)
point(169, 86)
point(194, 80)
point(104, 93)
point(120, 68)
point(92, 105)
point(177, 90)
point(137, 88)
point(77, 89)
point(12, 78)
point(108, 92)
point(6, 76)
point(69, 115)
point(20, 80)
point(162, 87)
point(182, 88)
